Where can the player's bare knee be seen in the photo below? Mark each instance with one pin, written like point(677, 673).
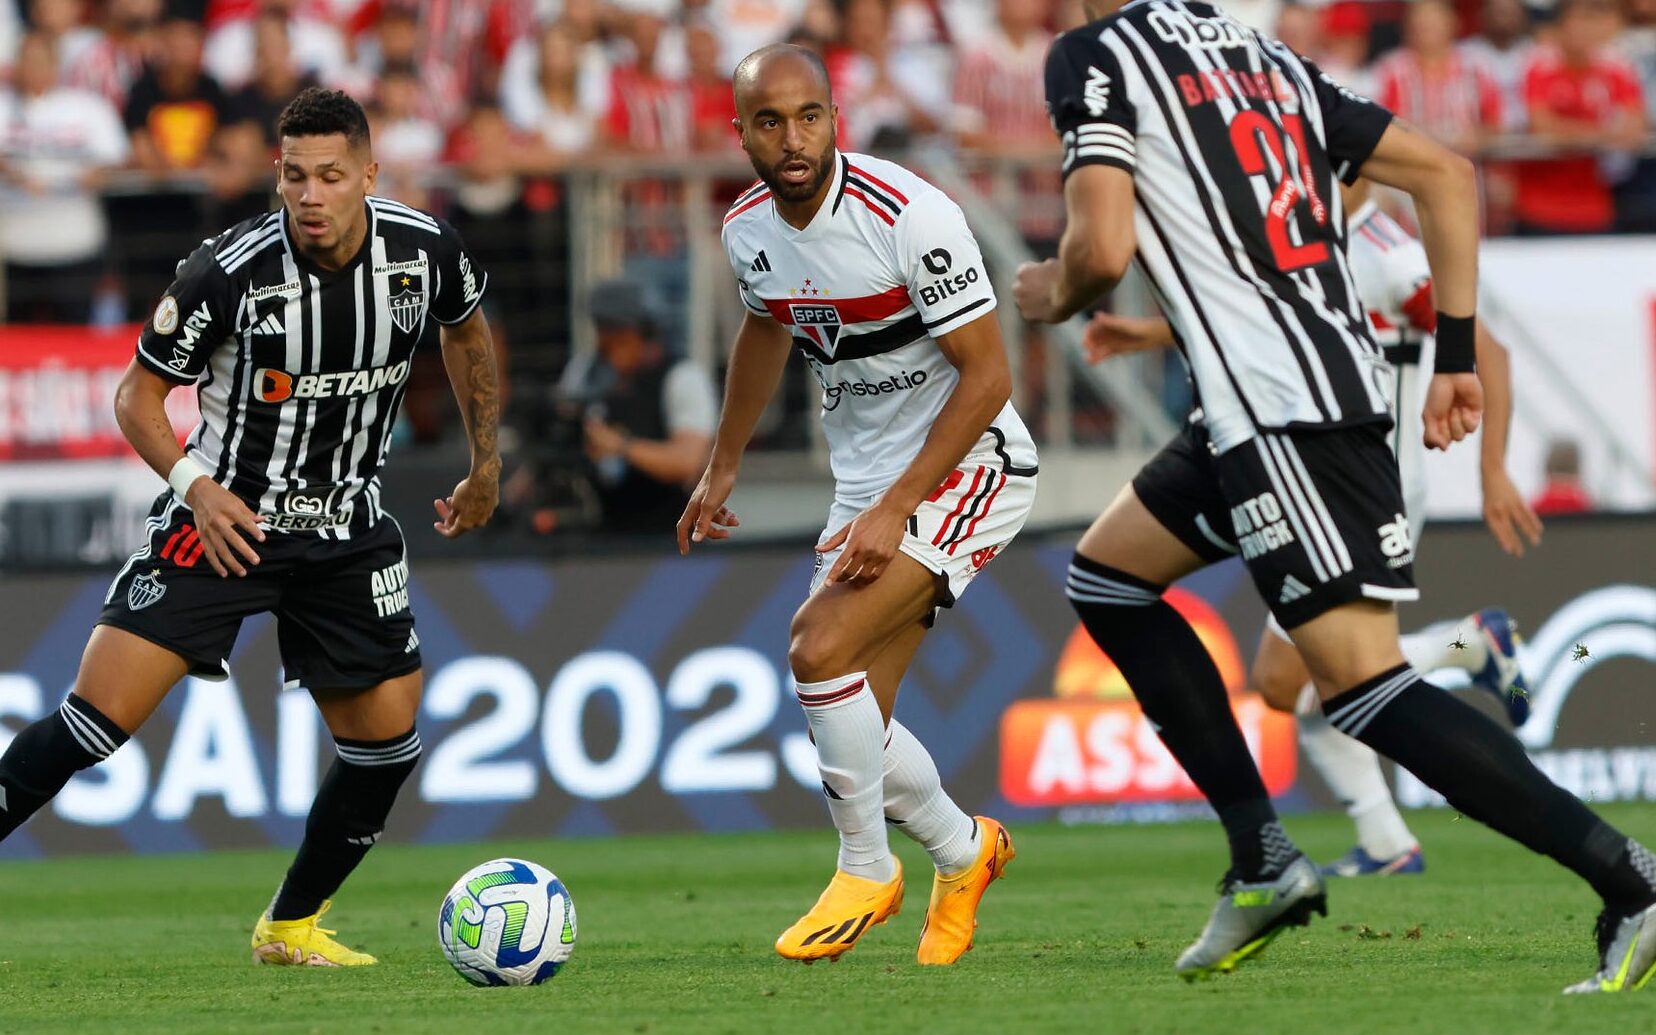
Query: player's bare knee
point(818, 651)
point(1281, 694)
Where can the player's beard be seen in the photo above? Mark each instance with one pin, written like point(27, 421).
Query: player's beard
point(821, 168)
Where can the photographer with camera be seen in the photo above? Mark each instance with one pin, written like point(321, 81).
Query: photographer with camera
point(645, 416)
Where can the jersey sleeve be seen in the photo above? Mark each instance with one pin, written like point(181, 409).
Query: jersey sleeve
point(459, 283)
point(1086, 97)
point(740, 266)
point(191, 320)
point(938, 258)
point(1352, 125)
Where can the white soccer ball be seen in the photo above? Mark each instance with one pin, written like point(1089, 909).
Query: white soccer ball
point(507, 922)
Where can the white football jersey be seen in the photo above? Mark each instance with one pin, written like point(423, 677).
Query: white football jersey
point(885, 266)
point(1394, 283)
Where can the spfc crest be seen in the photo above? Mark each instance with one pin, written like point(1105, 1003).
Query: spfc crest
point(145, 590)
point(819, 322)
point(407, 307)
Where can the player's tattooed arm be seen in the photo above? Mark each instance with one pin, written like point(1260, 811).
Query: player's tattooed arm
point(469, 357)
point(223, 521)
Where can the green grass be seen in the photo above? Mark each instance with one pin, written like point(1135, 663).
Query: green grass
point(676, 933)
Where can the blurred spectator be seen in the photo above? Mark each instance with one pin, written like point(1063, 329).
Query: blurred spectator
point(114, 62)
point(55, 146)
point(395, 40)
point(175, 109)
point(888, 93)
point(1344, 47)
point(558, 102)
point(276, 80)
point(1562, 492)
point(63, 22)
point(1502, 47)
point(11, 30)
point(647, 417)
point(647, 112)
point(406, 144)
point(317, 45)
point(999, 84)
point(1578, 97)
point(1432, 84)
point(747, 25)
point(455, 34)
point(712, 103)
point(1300, 28)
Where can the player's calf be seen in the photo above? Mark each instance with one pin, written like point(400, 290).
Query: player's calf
point(42, 758)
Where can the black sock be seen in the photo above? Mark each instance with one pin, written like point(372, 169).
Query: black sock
point(1484, 773)
point(1182, 694)
point(346, 819)
point(42, 758)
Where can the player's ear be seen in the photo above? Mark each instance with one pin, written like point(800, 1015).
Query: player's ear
point(370, 173)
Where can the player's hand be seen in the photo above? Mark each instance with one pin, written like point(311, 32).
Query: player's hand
point(1108, 334)
point(1454, 408)
point(1033, 290)
point(706, 516)
point(1510, 519)
point(225, 524)
point(603, 440)
point(472, 504)
point(870, 540)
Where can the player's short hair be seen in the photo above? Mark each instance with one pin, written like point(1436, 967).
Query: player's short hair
point(317, 112)
point(748, 68)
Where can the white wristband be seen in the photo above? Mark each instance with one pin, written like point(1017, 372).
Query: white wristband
point(183, 475)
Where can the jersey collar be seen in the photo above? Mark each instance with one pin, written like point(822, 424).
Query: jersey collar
point(830, 202)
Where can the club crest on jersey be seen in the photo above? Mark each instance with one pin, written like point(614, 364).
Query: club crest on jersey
point(145, 590)
point(407, 307)
point(819, 322)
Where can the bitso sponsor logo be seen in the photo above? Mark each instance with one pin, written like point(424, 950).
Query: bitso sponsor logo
point(276, 386)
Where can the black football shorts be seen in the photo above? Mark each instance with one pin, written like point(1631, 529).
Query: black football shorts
point(341, 605)
point(1317, 516)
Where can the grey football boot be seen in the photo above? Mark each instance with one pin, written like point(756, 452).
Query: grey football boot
point(1627, 953)
point(1250, 914)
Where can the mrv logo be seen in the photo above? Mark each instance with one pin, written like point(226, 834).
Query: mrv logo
point(273, 386)
point(938, 263)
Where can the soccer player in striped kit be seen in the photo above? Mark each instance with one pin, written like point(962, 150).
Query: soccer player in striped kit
point(1209, 154)
point(296, 329)
point(871, 274)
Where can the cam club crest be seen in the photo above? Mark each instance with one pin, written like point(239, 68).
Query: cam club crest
point(818, 321)
point(145, 590)
point(407, 306)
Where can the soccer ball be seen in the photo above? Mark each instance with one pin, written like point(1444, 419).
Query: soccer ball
point(507, 922)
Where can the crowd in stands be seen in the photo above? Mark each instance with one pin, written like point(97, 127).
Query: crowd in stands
point(502, 95)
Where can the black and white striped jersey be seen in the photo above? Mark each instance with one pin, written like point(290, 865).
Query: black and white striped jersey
point(1234, 143)
point(300, 370)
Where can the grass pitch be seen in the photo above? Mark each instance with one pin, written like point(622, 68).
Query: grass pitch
point(676, 932)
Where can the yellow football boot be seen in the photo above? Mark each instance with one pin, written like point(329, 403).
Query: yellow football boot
point(301, 943)
point(844, 913)
point(951, 916)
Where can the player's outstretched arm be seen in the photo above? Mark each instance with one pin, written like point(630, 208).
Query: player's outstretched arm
point(1094, 253)
point(1509, 517)
point(756, 364)
point(469, 357)
point(220, 518)
point(1444, 187)
point(871, 540)
point(1110, 334)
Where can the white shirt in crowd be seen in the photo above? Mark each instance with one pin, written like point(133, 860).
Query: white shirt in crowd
point(54, 140)
point(318, 48)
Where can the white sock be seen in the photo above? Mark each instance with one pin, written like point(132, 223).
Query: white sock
point(850, 741)
point(1352, 771)
point(1435, 646)
point(916, 804)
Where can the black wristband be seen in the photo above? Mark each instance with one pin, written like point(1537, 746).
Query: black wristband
point(1456, 344)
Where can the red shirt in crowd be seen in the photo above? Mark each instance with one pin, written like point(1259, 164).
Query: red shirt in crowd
point(1570, 194)
point(1561, 497)
point(1452, 106)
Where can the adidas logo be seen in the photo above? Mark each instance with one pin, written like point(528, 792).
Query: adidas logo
point(761, 264)
point(1292, 590)
point(413, 642)
point(271, 324)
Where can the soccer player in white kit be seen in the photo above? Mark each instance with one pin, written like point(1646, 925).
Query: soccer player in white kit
point(1395, 283)
point(873, 275)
